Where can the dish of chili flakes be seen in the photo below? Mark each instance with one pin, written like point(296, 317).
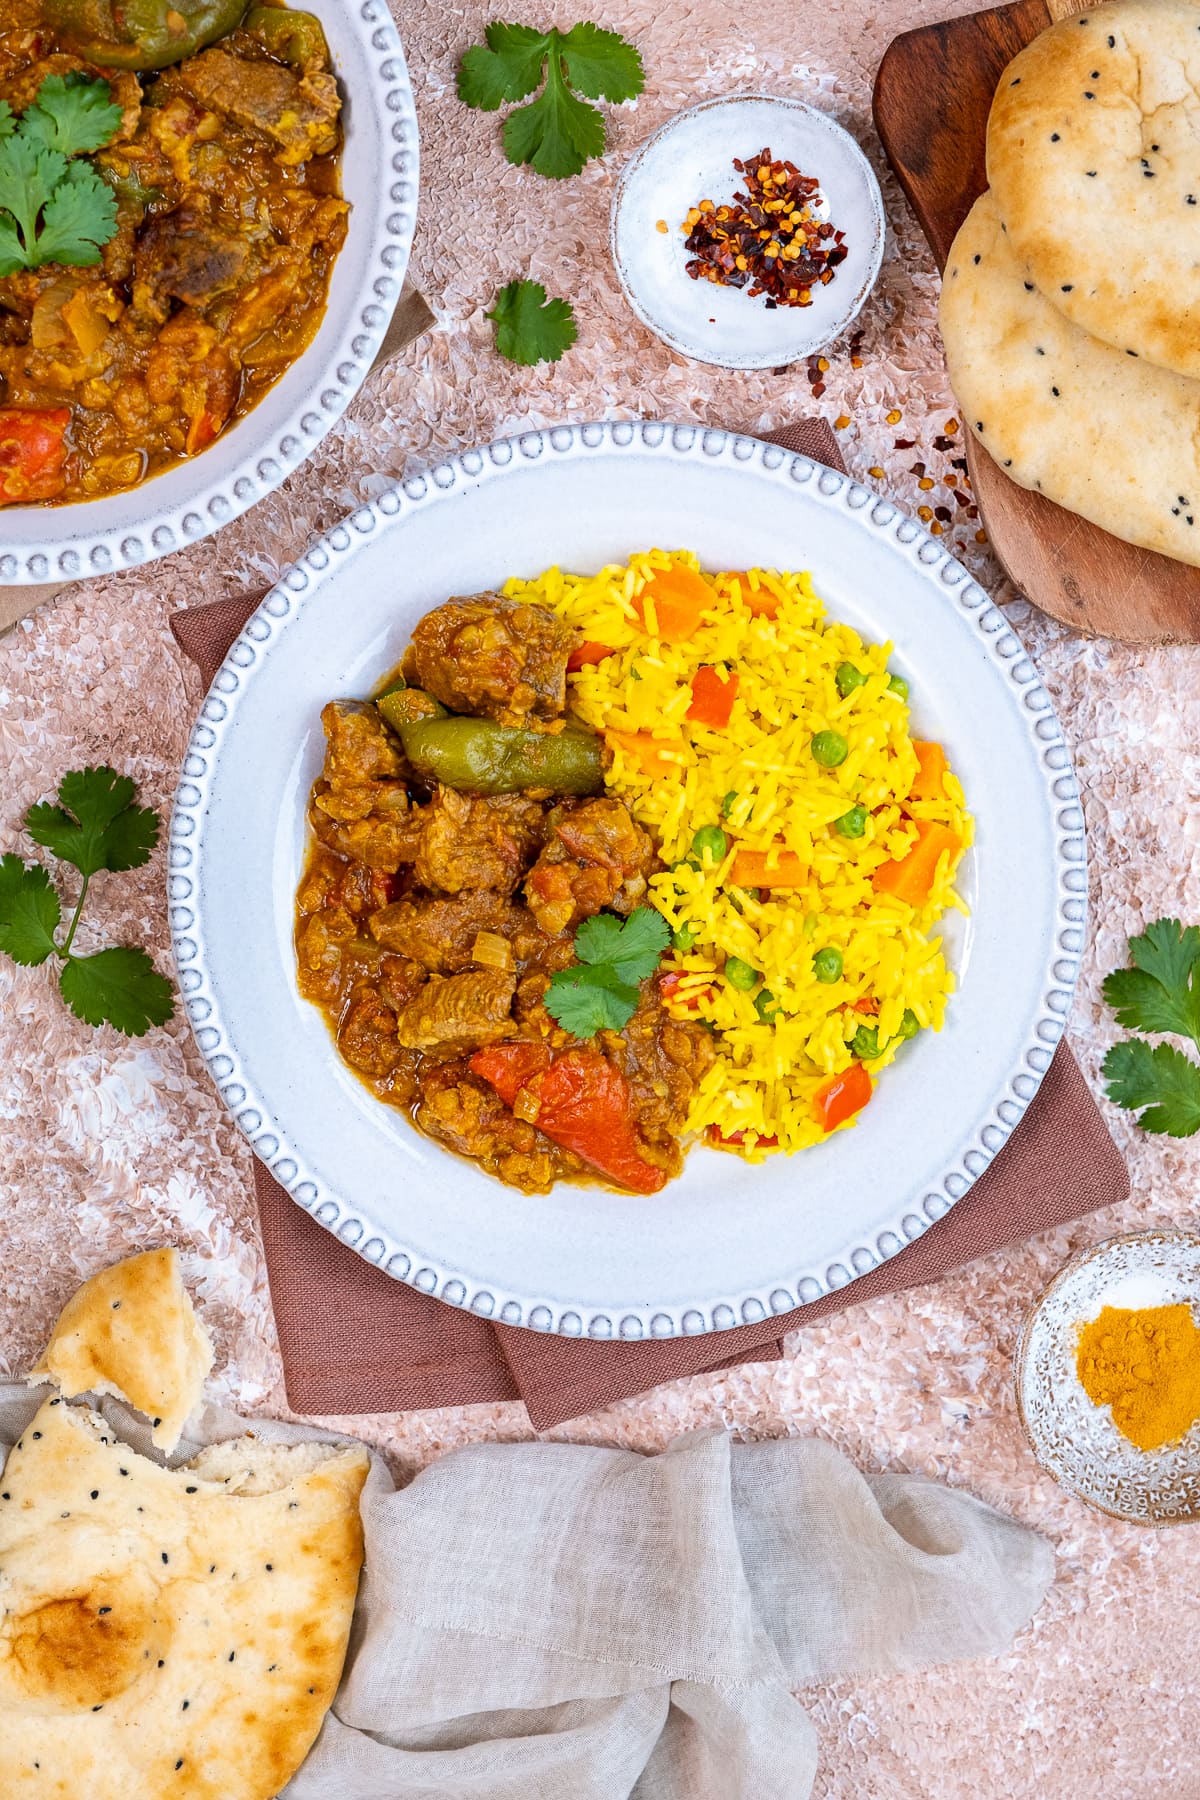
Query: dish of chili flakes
point(771, 240)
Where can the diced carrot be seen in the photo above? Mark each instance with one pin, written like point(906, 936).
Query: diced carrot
point(645, 750)
point(33, 453)
point(910, 877)
point(713, 694)
point(841, 1096)
point(768, 869)
point(587, 653)
point(931, 766)
point(680, 596)
point(761, 603)
point(867, 1005)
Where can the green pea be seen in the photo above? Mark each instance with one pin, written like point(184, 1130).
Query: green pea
point(909, 1024)
point(865, 1043)
point(898, 686)
point(848, 678)
point(827, 965)
point(739, 974)
point(830, 748)
point(766, 1006)
point(852, 824)
point(683, 937)
point(711, 841)
point(727, 803)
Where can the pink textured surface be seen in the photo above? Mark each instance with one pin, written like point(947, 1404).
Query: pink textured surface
point(109, 1146)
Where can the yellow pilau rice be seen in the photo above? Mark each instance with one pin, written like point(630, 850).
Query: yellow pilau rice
point(759, 781)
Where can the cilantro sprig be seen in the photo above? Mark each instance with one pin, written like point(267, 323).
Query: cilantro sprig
point(558, 132)
point(95, 826)
point(529, 327)
point(600, 991)
point(53, 208)
point(1160, 993)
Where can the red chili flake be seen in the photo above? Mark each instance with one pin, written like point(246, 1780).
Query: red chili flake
point(906, 443)
point(942, 442)
point(943, 513)
point(766, 239)
point(918, 468)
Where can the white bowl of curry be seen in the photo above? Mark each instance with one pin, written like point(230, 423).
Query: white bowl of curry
point(171, 351)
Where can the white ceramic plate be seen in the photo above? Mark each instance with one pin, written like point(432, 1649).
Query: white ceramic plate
point(728, 1241)
point(691, 159)
point(379, 178)
point(1075, 1440)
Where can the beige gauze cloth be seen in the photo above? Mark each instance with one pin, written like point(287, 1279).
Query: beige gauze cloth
point(545, 1621)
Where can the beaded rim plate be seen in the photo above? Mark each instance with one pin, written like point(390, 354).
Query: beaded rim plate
point(691, 158)
point(1075, 1440)
point(728, 1242)
point(186, 503)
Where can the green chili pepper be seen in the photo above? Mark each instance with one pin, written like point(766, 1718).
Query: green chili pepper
point(125, 185)
point(141, 34)
point(897, 685)
point(766, 1006)
point(296, 38)
point(403, 706)
point(848, 678)
point(852, 824)
point(827, 965)
point(482, 757)
point(711, 840)
point(396, 686)
point(830, 748)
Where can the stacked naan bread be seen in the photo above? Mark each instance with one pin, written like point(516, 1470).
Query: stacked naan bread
point(164, 1632)
point(1071, 299)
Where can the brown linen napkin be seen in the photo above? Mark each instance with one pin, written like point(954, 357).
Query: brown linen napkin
point(355, 1341)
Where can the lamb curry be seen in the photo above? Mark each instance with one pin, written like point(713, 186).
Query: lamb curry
point(223, 166)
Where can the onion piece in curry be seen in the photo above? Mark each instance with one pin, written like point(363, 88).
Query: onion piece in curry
point(461, 835)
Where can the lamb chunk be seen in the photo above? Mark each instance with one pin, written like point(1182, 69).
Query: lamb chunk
point(184, 255)
point(360, 806)
point(298, 113)
point(440, 933)
point(458, 1012)
point(494, 658)
point(358, 746)
point(367, 1033)
point(595, 856)
point(471, 842)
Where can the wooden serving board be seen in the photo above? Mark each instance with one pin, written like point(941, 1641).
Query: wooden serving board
point(933, 93)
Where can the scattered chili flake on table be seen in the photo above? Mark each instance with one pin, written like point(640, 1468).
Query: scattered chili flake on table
point(766, 239)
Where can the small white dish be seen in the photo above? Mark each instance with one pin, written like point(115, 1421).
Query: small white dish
point(691, 159)
point(1074, 1439)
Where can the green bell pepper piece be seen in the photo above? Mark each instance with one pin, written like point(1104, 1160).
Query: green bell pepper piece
point(482, 757)
point(142, 34)
point(296, 38)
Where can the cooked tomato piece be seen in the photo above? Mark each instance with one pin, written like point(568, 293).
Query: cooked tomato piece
point(713, 694)
point(33, 453)
point(584, 1104)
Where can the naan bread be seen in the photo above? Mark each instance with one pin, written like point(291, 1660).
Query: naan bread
point(1093, 154)
point(131, 1331)
point(1109, 436)
point(169, 1634)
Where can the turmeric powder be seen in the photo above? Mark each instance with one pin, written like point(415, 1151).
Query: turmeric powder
point(1145, 1364)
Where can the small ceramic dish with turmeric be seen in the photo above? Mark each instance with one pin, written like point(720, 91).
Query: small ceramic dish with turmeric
point(1108, 1377)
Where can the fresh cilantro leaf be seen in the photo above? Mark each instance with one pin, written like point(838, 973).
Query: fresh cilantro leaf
point(602, 64)
point(119, 986)
point(508, 69)
point(52, 210)
point(587, 999)
point(78, 219)
point(529, 327)
point(7, 122)
point(632, 949)
point(1162, 991)
point(72, 116)
point(29, 912)
point(558, 132)
point(96, 825)
point(1160, 1079)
